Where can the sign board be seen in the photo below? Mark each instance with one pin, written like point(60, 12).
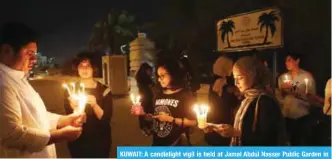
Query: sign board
point(257, 29)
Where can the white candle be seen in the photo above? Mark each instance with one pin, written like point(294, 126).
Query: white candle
point(81, 102)
point(132, 97)
point(286, 80)
point(83, 87)
point(73, 87)
point(138, 99)
point(306, 85)
point(201, 114)
point(67, 88)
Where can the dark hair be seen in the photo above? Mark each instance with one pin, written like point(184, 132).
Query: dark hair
point(190, 76)
point(82, 56)
point(142, 77)
point(17, 35)
point(175, 71)
point(186, 65)
point(294, 56)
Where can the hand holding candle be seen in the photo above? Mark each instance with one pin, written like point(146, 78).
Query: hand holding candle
point(286, 80)
point(78, 96)
point(73, 88)
point(67, 88)
point(136, 109)
point(201, 114)
point(135, 99)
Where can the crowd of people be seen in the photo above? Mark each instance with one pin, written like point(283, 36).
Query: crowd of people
point(245, 111)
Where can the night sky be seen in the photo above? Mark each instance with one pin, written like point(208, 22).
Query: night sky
point(65, 28)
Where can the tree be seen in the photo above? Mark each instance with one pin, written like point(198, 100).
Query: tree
point(268, 20)
point(112, 32)
point(226, 28)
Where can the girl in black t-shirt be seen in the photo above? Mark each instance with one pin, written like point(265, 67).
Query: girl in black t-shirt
point(173, 113)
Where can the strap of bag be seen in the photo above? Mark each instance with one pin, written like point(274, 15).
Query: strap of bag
point(187, 133)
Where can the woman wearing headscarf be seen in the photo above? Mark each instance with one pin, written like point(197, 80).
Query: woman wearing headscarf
point(258, 121)
point(222, 99)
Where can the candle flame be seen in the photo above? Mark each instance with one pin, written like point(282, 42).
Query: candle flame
point(77, 95)
point(196, 109)
point(64, 85)
point(138, 99)
point(201, 114)
point(132, 96)
point(201, 110)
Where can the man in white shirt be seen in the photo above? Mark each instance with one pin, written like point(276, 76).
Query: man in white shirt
point(294, 85)
point(27, 129)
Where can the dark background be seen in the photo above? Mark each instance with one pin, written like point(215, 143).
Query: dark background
point(176, 25)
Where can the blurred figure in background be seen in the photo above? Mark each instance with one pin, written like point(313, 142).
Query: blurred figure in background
point(145, 84)
point(222, 99)
point(191, 82)
point(295, 106)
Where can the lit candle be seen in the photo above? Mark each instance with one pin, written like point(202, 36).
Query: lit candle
point(73, 87)
point(81, 103)
point(78, 96)
point(306, 85)
point(138, 99)
point(83, 87)
point(136, 103)
point(67, 88)
point(201, 114)
point(286, 80)
point(132, 97)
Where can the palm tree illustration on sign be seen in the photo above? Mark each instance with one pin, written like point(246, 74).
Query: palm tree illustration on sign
point(268, 20)
point(226, 28)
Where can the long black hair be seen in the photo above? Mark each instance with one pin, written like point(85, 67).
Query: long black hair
point(177, 74)
point(91, 57)
point(142, 77)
